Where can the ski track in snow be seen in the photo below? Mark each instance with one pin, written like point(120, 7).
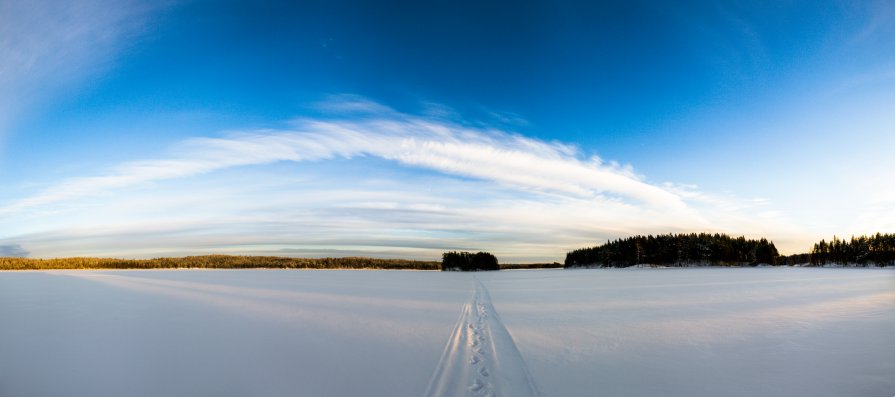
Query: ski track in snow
point(481, 359)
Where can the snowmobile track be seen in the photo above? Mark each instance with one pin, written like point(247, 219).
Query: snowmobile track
point(480, 359)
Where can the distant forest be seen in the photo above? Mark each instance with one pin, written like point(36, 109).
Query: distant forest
point(217, 262)
point(675, 250)
point(723, 250)
point(247, 262)
point(878, 250)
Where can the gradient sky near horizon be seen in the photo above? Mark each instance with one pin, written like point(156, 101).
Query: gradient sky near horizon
point(406, 128)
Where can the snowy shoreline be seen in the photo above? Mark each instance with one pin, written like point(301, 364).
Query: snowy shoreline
point(595, 267)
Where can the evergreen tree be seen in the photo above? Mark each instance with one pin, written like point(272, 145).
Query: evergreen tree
point(875, 250)
point(676, 249)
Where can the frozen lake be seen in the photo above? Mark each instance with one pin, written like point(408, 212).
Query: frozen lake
point(678, 332)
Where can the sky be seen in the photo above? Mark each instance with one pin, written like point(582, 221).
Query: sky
point(406, 129)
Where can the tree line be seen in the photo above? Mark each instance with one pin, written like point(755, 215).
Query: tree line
point(450, 261)
point(721, 249)
point(664, 249)
point(877, 250)
point(676, 250)
point(217, 262)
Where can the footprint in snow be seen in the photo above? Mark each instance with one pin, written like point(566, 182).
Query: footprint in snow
point(479, 345)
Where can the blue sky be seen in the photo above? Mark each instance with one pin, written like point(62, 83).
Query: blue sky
point(403, 129)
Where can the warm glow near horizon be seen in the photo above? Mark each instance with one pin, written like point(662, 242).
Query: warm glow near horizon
point(133, 129)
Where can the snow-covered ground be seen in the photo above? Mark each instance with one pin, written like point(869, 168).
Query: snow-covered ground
point(703, 332)
point(631, 332)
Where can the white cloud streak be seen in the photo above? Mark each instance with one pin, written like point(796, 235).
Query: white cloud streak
point(47, 46)
point(494, 156)
point(522, 198)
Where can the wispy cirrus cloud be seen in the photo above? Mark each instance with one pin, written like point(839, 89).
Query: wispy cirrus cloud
point(523, 198)
point(878, 20)
point(491, 155)
point(46, 46)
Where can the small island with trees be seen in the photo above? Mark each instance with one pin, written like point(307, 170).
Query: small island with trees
point(466, 261)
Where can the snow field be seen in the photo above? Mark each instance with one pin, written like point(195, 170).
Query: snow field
point(620, 332)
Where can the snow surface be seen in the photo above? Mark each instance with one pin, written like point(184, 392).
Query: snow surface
point(703, 332)
point(612, 332)
point(481, 358)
